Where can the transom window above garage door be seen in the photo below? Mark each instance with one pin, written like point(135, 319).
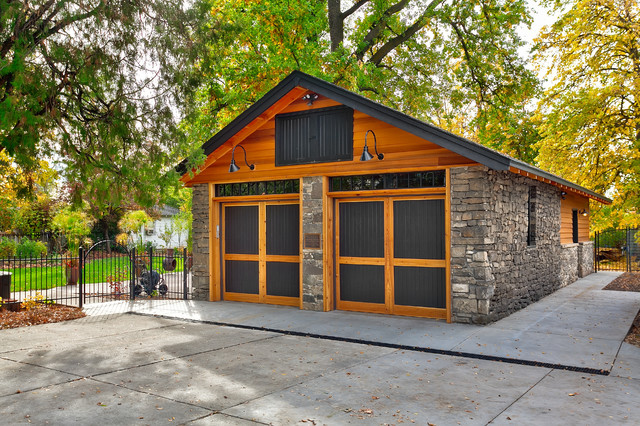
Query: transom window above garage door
point(270, 187)
point(430, 179)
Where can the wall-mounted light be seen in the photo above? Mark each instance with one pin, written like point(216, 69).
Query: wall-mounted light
point(563, 195)
point(366, 156)
point(310, 98)
point(233, 166)
point(584, 212)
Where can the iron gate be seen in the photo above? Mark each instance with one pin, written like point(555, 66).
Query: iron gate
point(617, 250)
point(105, 272)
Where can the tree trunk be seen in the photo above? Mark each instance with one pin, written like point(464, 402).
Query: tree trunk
point(106, 237)
point(336, 24)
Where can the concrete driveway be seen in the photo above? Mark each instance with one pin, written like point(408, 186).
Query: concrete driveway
point(123, 368)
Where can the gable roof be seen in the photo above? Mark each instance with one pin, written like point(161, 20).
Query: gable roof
point(462, 146)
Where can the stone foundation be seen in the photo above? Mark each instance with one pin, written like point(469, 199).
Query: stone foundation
point(200, 269)
point(312, 259)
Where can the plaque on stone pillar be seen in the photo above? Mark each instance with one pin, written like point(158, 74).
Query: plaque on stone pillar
point(311, 241)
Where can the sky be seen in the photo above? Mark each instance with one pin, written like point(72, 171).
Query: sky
point(541, 18)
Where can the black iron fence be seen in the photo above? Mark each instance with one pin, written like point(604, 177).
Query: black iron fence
point(617, 250)
point(104, 272)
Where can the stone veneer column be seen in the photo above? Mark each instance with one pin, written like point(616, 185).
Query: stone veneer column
point(472, 281)
point(200, 270)
point(312, 213)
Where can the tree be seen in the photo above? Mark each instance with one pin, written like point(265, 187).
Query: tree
point(96, 84)
point(590, 117)
point(132, 224)
point(33, 217)
point(451, 63)
point(17, 183)
point(75, 225)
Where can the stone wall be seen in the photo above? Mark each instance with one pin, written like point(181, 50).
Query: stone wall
point(568, 271)
point(312, 281)
point(577, 261)
point(200, 270)
point(585, 258)
point(494, 271)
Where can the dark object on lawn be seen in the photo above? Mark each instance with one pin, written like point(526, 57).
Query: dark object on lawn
point(148, 283)
point(169, 262)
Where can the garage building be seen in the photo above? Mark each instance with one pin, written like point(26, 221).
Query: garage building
point(318, 198)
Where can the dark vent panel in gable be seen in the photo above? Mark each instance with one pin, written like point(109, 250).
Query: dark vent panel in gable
point(318, 136)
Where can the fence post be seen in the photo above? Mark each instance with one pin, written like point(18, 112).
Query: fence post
point(184, 274)
point(80, 276)
point(628, 249)
point(595, 251)
point(151, 280)
point(132, 284)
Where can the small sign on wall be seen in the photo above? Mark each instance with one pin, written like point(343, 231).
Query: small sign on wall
point(311, 241)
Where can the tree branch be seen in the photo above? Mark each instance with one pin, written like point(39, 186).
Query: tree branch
point(353, 9)
point(406, 35)
point(377, 27)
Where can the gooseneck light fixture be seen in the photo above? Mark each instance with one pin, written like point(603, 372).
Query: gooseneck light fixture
point(584, 212)
point(366, 156)
point(233, 167)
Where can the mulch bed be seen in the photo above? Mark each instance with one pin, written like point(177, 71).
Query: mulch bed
point(629, 281)
point(42, 314)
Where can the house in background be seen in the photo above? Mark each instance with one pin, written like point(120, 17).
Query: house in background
point(319, 198)
point(154, 232)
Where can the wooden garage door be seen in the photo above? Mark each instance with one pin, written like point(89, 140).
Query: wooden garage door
point(261, 249)
point(391, 256)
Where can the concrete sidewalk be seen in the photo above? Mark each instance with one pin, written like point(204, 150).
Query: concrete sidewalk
point(578, 326)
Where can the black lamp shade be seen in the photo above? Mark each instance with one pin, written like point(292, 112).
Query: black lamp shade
point(366, 156)
point(233, 167)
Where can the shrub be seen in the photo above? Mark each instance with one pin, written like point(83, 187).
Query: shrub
point(36, 302)
point(75, 225)
point(29, 248)
point(7, 248)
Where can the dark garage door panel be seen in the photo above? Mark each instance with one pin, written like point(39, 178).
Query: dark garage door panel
point(241, 276)
point(241, 229)
point(283, 279)
point(283, 229)
point(418, 228)
point(417, 286)
point(362, 283)
point(362, 229)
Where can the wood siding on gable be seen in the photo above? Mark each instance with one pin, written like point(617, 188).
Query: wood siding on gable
point(570, 203)
point(402, 151)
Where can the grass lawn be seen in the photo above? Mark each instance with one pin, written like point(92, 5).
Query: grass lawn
point(95, 271)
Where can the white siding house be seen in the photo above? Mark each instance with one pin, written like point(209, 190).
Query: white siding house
point(154, 231)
